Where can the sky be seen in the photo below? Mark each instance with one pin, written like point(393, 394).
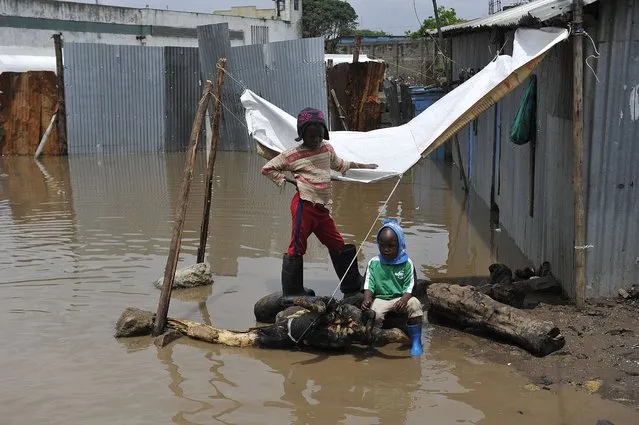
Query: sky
point(392, 16)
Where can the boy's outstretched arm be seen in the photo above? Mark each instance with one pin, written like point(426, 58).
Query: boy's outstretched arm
point(338, 164)
point(357, 165)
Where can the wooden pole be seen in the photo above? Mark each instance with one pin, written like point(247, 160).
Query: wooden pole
point(340, 110)
point(62, 112)
point(180, 213)
point(358, 47)
point(462, 172)
point(204, 227)
point(440, 52)
point(578, 155)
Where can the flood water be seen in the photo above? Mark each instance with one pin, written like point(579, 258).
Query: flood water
point(83, 238)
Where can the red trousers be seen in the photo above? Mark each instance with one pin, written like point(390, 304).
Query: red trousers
point(307, 219)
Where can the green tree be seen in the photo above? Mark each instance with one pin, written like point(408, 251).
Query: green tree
point(446, 17)
point(327, 18)
point(364, 33)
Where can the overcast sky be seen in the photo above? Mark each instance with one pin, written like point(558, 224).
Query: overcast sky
point(393, 16)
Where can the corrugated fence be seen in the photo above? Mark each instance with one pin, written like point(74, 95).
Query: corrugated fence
point(539, 217)
point(115, 98)
point(613, 203)
point(289, 74)
point(133, 99)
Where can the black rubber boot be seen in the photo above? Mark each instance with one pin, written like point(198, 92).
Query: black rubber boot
point(353, 283)
point(293, 276)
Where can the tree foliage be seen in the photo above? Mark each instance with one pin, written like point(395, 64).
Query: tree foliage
point(446, 17)
point(364, 33)
point(327, 18)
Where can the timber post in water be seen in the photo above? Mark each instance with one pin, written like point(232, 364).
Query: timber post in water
point(180, 213)
point(62, 114)
point(204, 227)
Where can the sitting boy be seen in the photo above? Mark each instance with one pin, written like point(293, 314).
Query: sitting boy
point(389, 282)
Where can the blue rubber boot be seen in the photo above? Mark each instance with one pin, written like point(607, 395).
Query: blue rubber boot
point(415, 334)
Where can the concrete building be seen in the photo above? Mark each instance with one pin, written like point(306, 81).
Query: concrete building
point(29, 24)
point(530, 185)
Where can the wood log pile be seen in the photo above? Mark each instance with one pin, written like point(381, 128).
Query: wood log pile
point(491, 309)
point(317, 322)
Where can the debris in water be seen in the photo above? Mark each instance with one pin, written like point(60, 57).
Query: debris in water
point(190, 277)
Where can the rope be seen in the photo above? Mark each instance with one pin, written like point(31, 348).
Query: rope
point(595, 56)
point(379, 214)
point(239, 82)
point(240, 120)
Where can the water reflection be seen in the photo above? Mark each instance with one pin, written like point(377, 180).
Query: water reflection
point(84, 237)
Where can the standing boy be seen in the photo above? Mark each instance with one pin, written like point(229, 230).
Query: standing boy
point(311, 164)
point(389, 282)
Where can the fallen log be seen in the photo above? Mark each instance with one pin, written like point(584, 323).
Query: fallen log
point(467, 307)
point(318, 324)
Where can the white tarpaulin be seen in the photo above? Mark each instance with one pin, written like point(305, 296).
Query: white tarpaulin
point(397, 149)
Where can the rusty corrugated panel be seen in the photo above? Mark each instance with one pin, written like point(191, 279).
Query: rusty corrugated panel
point(183, 89)
point(115, 98)
point(613, 201)
point(28, 101)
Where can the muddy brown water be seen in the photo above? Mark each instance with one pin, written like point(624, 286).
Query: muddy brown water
point(82, 238)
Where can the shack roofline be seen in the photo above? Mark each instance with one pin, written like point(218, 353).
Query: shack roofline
point(535, 14)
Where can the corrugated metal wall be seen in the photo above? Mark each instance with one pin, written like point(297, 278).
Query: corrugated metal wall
point(476, 140)
point(213, 44)
point(130, 99)
point(613, 204)
point(548, 234)
point(115, 98)
point(182, 93)
point(289, 74)
point(611, 116)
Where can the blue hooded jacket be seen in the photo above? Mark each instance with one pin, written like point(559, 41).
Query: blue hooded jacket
point(402, 254)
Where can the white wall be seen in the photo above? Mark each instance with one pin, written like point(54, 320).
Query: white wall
point(278, 30)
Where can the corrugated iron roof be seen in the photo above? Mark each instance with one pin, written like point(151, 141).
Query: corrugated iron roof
point(541, 10)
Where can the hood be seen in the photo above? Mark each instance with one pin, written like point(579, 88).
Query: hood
point(402, 255)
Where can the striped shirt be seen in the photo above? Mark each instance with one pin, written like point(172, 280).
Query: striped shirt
point(311, 168)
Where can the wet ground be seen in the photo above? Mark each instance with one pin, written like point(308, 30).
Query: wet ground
point(84, 238)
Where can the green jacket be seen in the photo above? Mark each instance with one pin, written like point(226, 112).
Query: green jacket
point(389, 281)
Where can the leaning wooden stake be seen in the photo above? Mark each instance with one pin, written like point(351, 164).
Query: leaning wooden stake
point(340, 110)
point(204, 227)
point(62, 111)
point(180, 213)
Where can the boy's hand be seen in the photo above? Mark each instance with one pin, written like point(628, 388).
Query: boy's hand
point(369, 166)
point(357, 165)
point(401, 306)
point(368, 300)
